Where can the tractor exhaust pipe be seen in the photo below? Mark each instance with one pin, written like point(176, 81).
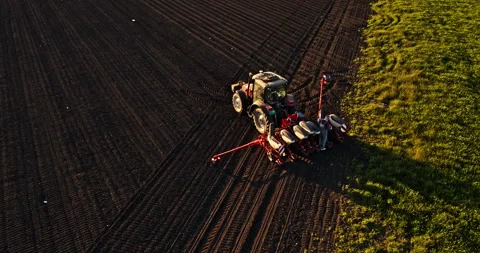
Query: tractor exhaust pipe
point(250, 75)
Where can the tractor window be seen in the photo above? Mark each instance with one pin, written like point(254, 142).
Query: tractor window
point(275, 94)
point(258, 92)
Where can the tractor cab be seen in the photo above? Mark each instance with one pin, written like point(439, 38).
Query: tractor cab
point(275, 94)
point(262, 97)
point(269, 87)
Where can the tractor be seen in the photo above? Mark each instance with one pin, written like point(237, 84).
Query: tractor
point(285, 134)
point(262, 98)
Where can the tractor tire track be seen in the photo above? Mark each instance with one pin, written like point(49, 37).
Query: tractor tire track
point(223, 235)
point(337, 54)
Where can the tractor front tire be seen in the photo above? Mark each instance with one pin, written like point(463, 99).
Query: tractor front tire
point(261, 120)
point(239, 101)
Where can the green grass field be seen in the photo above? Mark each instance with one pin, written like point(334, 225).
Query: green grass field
point(415, 112)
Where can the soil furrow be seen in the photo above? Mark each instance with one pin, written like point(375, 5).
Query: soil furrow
point(224, 236)
point(214, 210)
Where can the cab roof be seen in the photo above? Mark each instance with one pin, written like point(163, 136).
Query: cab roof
point(269, 79)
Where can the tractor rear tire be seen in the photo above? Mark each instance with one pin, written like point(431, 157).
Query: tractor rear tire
point(262, 120)
point(239, 101)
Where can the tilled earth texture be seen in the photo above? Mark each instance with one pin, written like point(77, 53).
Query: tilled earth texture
point(111, 110)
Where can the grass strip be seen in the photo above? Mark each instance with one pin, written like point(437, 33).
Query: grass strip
point(415, 186)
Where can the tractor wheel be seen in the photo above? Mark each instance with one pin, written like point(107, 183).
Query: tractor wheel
point(262, 120)
point(239, 101)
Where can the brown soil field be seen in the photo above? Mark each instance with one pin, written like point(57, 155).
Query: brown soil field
point(111, 109)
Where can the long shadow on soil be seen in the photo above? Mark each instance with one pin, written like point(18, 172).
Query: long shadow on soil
point(326, 169)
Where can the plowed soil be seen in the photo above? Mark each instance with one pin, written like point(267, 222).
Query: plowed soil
point(111, 110)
